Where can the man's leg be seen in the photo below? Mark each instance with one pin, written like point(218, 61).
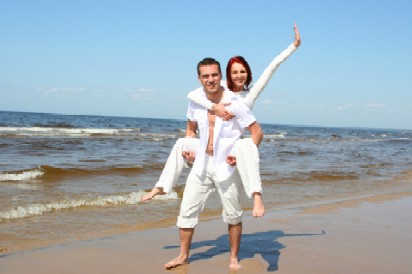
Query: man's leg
point(229, 192)
point(235, 235)
point(196, 192)
point(186, 235)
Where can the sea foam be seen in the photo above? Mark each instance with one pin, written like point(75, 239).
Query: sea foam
point(101, 201)
point(57, 131)
point(21, 176)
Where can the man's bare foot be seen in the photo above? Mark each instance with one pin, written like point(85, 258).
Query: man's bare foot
point(258, 208)
point(155, 191)
point(176, 262)
point(234, 264)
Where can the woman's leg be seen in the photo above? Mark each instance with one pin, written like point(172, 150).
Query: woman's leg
point(173, 167)
point(247, 161)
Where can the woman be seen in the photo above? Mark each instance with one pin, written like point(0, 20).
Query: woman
point(245, 154)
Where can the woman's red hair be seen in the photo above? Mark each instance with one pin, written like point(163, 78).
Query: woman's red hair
point(242, 61)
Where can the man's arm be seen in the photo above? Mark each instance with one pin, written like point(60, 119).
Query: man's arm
point(256, 133)
point(191, 129)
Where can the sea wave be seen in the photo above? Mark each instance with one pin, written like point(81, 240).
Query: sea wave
point(279, 135)
point(65, 131)
point(101, 201)
point(23, 175)
point(50, 172)
point(321, 176)
point(56, 132)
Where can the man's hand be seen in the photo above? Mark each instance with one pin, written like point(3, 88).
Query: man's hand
point(189, 156)
point(231, 160)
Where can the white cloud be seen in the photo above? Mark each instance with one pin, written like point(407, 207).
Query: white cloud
point(65, 90)
point(374, 106)
point(267, 102)
point(272, 102)
point(141, 93)
point(146, 90)
point(345, 106)
point(136, 95)
point(369, 107)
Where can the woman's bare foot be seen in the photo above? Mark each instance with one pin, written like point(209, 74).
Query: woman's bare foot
point(234, 264)
point(155, 191)
point(258, 208)
point(176, 262)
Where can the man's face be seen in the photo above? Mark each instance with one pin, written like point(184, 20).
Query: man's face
point(210, 78)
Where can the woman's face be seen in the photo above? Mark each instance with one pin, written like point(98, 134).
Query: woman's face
point(238, 74)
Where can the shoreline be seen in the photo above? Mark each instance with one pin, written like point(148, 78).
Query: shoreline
point(368, 235)
point(34, 244)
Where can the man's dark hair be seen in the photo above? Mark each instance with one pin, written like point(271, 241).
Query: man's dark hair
point(207, 62)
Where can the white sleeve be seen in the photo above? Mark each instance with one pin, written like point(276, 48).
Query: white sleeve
point(267, 74)
point(197, 96)
point(243, 115)
point(190, 111)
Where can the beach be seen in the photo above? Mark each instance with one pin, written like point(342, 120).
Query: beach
point(70, 190)
point(369, 235)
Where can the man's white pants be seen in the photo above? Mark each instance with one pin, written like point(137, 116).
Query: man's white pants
point(197, 190)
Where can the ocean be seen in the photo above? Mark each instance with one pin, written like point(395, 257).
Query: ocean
point(75, 177)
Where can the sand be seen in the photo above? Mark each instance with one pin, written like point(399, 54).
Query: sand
point(371, 235)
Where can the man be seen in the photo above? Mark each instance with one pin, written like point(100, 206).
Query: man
point(211, 170)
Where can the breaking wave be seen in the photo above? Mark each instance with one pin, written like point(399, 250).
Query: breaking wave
point(24, 175)
point(101, 201)
point(50, 172)
point(65, 131)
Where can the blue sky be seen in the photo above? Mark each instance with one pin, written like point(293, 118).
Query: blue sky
point(138, 58)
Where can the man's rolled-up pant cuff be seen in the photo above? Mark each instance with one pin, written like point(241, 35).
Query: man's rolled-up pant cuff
point(232, 220)
point(183, 222)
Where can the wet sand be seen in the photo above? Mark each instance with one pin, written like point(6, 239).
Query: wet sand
point(370, 235)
